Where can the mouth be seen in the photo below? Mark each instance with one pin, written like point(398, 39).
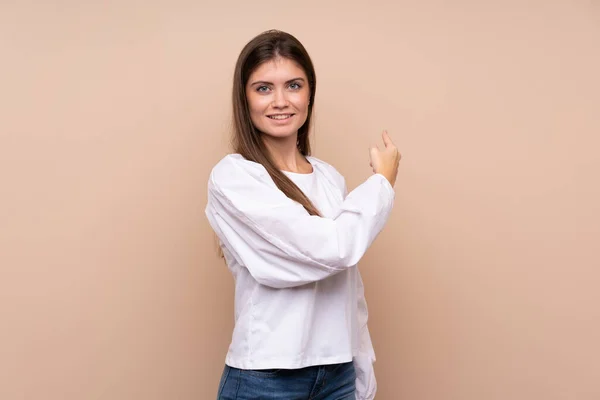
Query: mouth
point(280, 117)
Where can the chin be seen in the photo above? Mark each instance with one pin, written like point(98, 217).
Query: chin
point(279, 134)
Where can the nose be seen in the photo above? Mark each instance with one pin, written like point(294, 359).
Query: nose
point(279, 99)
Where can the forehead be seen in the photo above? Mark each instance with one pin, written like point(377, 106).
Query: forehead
point(279, 69)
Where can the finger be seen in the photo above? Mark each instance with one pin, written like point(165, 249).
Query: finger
point(386, 139)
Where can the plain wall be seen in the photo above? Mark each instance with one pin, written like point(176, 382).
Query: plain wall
point(484, 284)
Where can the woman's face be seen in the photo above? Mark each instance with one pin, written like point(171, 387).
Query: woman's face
point(278, 96)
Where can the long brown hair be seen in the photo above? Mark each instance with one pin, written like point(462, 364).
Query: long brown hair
point(247, 140)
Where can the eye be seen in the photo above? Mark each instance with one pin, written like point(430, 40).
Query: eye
point(262, 89)
point(295, 86)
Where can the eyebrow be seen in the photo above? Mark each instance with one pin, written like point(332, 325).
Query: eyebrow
point(271, 83)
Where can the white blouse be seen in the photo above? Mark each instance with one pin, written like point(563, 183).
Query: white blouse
point(299, 297)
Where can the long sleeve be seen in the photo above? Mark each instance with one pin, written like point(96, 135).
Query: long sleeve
point(366, 384)
point(277, 240)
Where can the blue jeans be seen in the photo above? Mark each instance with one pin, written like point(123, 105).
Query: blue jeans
point(323, 382)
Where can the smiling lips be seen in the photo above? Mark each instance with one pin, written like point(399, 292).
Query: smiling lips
point(280, 117)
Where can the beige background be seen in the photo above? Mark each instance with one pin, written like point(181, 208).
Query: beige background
point(484, 285)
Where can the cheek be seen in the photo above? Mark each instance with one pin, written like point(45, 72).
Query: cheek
point(301, 101)
point(257, 109)
point(255, 101)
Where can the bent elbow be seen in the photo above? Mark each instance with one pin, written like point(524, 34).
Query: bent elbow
point(277, 283)
point(291, 276)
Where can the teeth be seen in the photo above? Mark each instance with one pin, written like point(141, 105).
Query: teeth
point(280, 116)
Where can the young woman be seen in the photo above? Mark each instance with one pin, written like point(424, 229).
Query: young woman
point(292, 236)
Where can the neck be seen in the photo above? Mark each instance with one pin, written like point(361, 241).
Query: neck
point(285, 153)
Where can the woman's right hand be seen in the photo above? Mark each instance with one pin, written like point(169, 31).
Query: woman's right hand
point(386, 161)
